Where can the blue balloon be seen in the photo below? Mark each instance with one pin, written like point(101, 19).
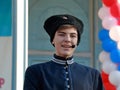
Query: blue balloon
point(118, 67)
point(108, 45)
point(115, 56)
point(103, 34)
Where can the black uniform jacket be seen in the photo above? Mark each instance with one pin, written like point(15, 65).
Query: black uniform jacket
point(62, 75)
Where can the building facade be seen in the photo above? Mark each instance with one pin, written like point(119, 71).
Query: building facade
point(31, 44)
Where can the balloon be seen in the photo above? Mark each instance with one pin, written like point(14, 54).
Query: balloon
point(109, 2)
point(108, 45)
point(115, 56)
point(114, 78)
point(103, 34)
point(109, 86)
point(118, 88)
point(104, 77)
point(103, 12)
point(118, 67)
point(115, 33)
point(108, 67)
point(104, 56)
point(118, 45)
point(115, 10)
point(106, 82)
point(118, 21)
point(109, 22)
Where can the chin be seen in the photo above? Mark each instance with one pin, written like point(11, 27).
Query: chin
point(67, 54)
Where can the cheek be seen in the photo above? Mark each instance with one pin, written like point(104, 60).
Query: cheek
point(75, 41)
point(57, 40)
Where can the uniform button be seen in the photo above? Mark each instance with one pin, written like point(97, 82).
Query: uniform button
point(66, 72)
point(67, 79)
point(68, 86)
point(65, 67)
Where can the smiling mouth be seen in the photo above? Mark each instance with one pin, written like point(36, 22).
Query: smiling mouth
point(66, 46)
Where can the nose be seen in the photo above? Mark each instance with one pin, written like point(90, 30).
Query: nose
point(67, 38)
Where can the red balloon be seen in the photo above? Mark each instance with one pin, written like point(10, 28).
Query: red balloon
point(106, 82)
point(109, 86)
point(109, 2)
point(118, 21)
point(104, 77)
point(115, 10)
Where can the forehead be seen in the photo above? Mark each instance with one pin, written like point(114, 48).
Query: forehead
point(67, 28)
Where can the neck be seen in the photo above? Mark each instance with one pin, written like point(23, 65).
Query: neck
point(62, 58)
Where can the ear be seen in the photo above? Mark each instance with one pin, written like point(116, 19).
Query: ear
point(53, 43)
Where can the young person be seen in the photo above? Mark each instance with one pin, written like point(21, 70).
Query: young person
point(62, 72)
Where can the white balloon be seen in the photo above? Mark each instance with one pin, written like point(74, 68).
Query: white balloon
point(104, 56)
point(118, 87)
point(114, 78)
point(108, 67)
point(109, 22)
point(115, 33)
point(103, 12)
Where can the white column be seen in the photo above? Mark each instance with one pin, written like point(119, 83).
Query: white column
point(22, 42)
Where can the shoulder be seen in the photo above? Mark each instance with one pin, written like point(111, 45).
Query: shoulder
point(86, 68)
point(36, 67)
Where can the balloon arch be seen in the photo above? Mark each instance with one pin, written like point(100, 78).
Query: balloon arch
point(109, 36)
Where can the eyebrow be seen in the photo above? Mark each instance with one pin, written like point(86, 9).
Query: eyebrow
point(66, 33)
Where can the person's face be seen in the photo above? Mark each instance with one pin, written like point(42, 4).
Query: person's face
point(63, 40)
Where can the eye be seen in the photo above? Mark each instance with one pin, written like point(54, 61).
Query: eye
point(73, 36)
point(61, 34)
